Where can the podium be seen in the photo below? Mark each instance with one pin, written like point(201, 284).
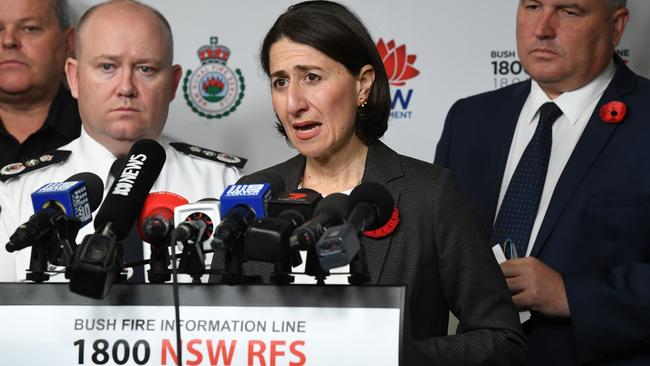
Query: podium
point(219, 325)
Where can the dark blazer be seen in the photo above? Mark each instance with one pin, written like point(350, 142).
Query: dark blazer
point(438, 250)
point(596, 231)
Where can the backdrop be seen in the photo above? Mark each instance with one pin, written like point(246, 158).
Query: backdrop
point(439, 51)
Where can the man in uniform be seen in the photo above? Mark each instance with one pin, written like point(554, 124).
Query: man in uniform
point(559, 167)
point(124, 80)
point(37, 112)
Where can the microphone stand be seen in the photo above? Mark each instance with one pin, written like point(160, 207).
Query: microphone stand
point(192, 259)
point(57, 247)
point(359, 273)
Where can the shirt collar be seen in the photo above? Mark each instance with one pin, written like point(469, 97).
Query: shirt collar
point(96, 157)
point(573, 103)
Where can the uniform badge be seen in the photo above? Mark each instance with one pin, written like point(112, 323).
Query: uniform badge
point(227, 158)
point(208, 154)
point(20, 168)
point(32, 162)
point(12, 169)
point(213, 90)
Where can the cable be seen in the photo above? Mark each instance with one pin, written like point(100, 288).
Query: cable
point(177, 310)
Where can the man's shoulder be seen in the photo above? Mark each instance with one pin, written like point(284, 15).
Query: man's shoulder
point(33, 166)
point(189, 152)
point(498, 96)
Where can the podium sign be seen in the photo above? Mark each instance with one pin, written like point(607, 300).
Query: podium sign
point(256, 325)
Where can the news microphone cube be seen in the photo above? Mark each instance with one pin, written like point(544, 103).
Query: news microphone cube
point(254, 196)
point(70, 197)
point(338, 245)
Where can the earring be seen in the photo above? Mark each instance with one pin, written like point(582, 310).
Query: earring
point(363, 102)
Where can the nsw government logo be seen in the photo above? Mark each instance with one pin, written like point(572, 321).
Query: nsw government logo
point(213, 90)
point(399, 68)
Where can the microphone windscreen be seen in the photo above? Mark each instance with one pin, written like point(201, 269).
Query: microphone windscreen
point(155, 201)
point(335, 205)
point(129, 191)
point(274, 180)
point(94, 187)
point(376, 195)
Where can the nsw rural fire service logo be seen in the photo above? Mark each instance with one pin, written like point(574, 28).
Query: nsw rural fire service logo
point(213, 90)
point(399, 66)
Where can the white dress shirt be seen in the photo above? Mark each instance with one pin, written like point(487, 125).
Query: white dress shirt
point(577, 107)
point(192, 177)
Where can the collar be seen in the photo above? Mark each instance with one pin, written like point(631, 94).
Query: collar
point(96, 157)
point(573, 103)
point(62, 117)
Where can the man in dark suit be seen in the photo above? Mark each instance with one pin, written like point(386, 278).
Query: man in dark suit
point(37, 112)
point(582, 225)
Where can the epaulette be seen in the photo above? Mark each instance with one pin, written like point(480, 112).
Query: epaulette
point(224, 158)
point(15, 170)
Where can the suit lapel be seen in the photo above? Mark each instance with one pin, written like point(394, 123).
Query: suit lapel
point(382, 166)
point(592, 142)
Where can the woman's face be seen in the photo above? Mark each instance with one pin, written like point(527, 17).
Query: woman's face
point(315, 97)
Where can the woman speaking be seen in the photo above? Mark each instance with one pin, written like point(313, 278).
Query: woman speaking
point(331, 95)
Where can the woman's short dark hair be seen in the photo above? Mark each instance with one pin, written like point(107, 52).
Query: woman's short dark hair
point(334, 30)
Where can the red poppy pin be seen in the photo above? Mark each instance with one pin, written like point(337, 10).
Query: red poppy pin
point(613, 112)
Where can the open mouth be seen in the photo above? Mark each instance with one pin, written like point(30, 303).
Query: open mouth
point(306, 130)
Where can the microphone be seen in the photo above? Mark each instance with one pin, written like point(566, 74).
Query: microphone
point(155, 223)
point(329, 211)
point(156, 219)
point(76, 198)
point(244, 201)
point(267, 239)
point(241, 203)
point(96, 260)
point(371, 206)
point(195, 227)
point(186, 216)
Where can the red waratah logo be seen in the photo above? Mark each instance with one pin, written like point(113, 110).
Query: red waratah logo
point(398, 64)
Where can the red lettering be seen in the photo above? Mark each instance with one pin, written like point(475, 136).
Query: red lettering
point(258, 353)
point(221, 350)
point(293, 349)
point(167, 346)
point(195, 352)
point(275, 352)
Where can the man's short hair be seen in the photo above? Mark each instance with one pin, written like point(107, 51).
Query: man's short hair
point(62, 13)
point(92, 9)
point(614, 4)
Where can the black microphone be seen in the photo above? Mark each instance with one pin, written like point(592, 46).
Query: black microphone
point(267, 239)
point(329, 211)
point(98, 258)
point(76, 198)
point(371, 206)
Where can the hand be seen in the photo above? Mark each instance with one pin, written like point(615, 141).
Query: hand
point(536, 286)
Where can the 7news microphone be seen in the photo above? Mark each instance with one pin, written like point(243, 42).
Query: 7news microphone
point(60, 210)
point(267, 238)
point(98, 259)
point(371, 206)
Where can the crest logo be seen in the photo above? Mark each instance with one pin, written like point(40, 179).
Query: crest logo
point(213, 90)
point(399, 68)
